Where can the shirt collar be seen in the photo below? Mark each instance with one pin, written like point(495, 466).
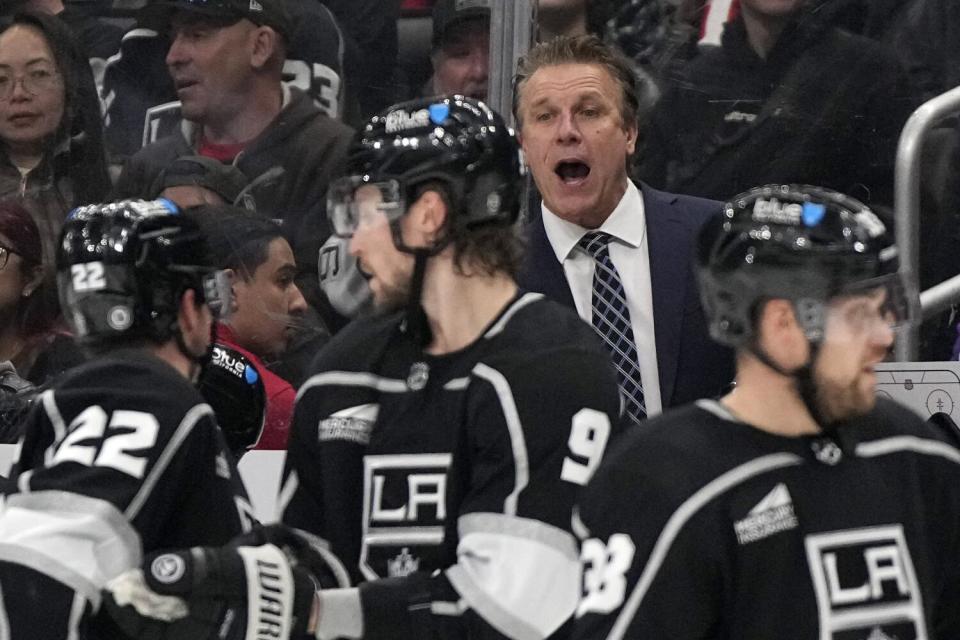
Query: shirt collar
point(626, 224)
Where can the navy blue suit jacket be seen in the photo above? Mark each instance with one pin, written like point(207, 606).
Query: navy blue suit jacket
point(690, 364)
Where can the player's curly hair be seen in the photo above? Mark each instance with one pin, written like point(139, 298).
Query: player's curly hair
point(486, 249)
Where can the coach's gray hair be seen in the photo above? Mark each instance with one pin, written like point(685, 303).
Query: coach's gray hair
point(587, 49)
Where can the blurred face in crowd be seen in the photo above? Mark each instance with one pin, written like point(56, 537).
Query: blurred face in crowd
point(462, 62)
point(186, 196)
point(32, 91)
point(770, 8)
point(268, 303)
point(572, 7)
point(211, 66)
point(17, 280)
point(575, 140)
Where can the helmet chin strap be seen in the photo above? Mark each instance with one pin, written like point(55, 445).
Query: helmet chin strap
point(803, 376)
point(418, 326)
point(198, 363)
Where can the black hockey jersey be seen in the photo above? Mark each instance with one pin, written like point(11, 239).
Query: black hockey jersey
point(121, 458)
point(699, 526)
point(467, 462)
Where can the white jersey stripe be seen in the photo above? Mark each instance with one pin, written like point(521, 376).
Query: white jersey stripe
point(354, 379)
point(183, 430)
point(899, 444)
point(519, 574)
point(56, 420)
point(80, 541)
point(499, 325)
point(512, 417)
point(287, 491)
point(76, 613)
point(680, 518)
point(4, 622)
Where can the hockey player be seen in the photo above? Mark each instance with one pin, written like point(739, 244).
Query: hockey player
point(122, 457)
point(452, 431)
point(799, 505)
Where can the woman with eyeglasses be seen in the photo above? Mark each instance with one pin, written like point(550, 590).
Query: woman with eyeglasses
point(51, 136)
point(27, 306)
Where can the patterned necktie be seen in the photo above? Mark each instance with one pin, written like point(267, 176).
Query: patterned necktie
point(611, 319)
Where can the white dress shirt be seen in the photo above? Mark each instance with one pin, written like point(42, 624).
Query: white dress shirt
point(630, 255)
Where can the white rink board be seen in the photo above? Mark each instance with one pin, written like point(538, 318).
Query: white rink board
point(261, 471)
point(925, 387)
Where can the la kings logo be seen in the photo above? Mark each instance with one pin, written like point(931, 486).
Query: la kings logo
point(404, 508)
point(865, 584)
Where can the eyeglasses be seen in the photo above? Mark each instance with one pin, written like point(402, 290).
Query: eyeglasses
point(35, 81)
point(5, 256)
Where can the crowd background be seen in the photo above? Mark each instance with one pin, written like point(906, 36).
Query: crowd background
point(726, 103)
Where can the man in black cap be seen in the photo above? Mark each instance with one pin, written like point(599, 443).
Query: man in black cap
point(226, 60)
point(461, 48)
point(191, 181)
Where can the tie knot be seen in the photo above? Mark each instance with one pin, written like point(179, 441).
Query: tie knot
point(595, 242)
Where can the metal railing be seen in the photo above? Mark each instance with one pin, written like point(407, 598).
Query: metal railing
point(512, 24)
point(907, 219)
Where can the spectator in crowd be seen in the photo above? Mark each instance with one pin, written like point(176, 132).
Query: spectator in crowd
point(51, 154)
point(268, 304)
point(604, 244)
point(191, 181)
point(141, 101)
point(27, 310)
point(561, 18)
point(573, 17)
point(762, 108)
point(461, 49)
point(98, 40)
point(929, 42)
point(226, 60)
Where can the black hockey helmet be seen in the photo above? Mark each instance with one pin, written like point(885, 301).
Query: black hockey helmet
point(123, 267)
point(455, 140)
point(802, 243)
point(234, 388)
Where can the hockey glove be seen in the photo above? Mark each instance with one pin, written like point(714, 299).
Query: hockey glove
point(228, 593)
point(303, 550)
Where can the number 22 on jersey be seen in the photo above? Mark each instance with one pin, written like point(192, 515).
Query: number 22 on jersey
point(89, 443)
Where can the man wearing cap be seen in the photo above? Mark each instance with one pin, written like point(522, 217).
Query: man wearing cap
point(226, 59)
point(192, 181)
point(461, 48)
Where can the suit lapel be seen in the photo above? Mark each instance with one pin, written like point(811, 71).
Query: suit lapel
point(542, 271)
point(668, 244)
